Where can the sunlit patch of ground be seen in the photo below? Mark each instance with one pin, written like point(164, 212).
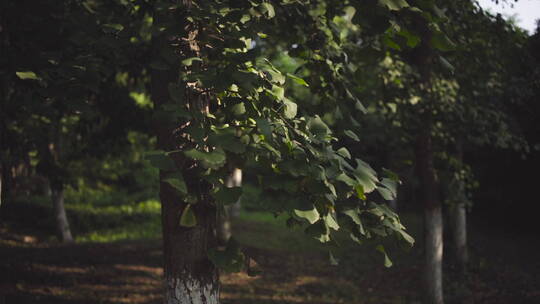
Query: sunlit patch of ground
point(35, 270)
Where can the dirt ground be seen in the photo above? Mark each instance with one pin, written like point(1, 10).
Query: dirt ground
point(34, 271)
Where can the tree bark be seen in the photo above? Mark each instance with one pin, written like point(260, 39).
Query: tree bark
point(224, 225)
point(190, 277)
point(62, 224)
point(433, 221)
point(459, 219)
point(1, 177)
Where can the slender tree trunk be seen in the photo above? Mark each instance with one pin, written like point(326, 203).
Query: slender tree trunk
point(190, 277)
point(224, 225)
point(1, 177)
point(393, 204)
point(62, 224)
point(235, 180)
point(459, 220)
point(433, 221)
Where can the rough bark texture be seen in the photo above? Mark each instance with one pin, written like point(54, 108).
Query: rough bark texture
point(190, 277)
point(224, 225)
point(433, 222)
point(62, 224)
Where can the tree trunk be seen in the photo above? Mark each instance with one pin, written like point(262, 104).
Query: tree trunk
point(62, 224)
point(433, 222)
point(1, 177)
point(224, 225)
point(393, 204)
point(190, 277)
point(459, 219)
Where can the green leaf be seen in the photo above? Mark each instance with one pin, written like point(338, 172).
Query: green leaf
point(27, 75)
point(319, 231)
point(278, 92)
point(360, 192)
point(317, 126)
point(447, 64)
point(264, 127)
point(366, 176)
point(352, 135)
point(228, 196)
point(110, 28)
point(188, 219)
point(440, 41)
point(387, 261)
point(344, 152)
point(409, 239)
point(229, 260)
point(311, 215)
point(176, 180)
point(189, 61)
point(290, 109)
point(354, 215)
point(238, 109)
point(346, 179)
point(160, 160)
point(214, 159)
point(394, 5)
point(298, 80)
point(333, 260)
point(390, 187)
point(331, 222)
point(268, 9)
point(386, 194)
point(228, 142)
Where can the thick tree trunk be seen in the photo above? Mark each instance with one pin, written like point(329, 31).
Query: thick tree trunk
point(433, 221)
point(190, 277)
point(62, 224)
point(224, 225)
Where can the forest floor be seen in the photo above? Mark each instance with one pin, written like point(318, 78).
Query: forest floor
point(36, 269)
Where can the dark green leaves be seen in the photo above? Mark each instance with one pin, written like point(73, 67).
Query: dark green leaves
point(230, 259)
point(214, 159)
point(160, 160)
point(176, 180)
point(317, 127)
point(441, 41)
point(264, 127)
point(352, 135)
point(228, 196)
point(394, 4)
